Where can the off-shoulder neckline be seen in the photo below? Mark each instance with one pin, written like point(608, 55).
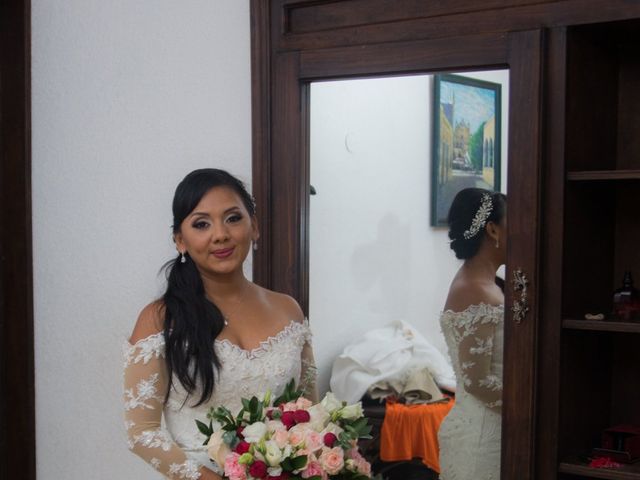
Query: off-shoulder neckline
point(474, 308)
point(262, 346)
point(266, 343)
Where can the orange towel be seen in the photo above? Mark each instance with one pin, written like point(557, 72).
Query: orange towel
point(411, 431)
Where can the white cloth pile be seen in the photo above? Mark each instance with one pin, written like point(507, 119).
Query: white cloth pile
point(388, 357)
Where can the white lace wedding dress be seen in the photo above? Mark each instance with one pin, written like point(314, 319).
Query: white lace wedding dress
point(166, 435)
point(469, 437)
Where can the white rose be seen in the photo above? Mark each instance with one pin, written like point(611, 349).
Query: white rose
point(273, 454)
point(331, 403)
point(253, 433)
point(319, 417)
point(217, 449)
point(274, 471)
point(287, 450)
point(351, 412)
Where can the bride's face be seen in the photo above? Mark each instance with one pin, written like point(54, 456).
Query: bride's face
point(218, 233)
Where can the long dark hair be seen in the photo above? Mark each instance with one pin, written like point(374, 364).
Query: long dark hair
point(464, 207)
point(191, 321)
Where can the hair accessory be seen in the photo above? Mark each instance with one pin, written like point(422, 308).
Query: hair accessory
point(183, 259)
point(480, 218)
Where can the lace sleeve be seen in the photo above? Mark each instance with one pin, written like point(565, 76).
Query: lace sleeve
point(145, 385)
point(309, 371)
point(475, 352)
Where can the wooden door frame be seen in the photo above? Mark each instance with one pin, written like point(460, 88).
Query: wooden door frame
point(281, 184)
point(17, 398)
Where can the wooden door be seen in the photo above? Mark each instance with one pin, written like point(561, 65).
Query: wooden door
point(283, 183)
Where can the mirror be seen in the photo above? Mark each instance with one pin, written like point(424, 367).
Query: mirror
point(377, 253)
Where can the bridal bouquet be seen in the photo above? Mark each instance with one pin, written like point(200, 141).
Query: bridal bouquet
point(288, 439)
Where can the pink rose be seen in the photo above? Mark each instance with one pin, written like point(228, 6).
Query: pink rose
point(297, 435)
point(233, 469)
point(332, 460)
point(258, 469)
point(329, 439)
point(313, 469)
point(313, 441)
point(359, 462)
point(289, 407)
point(301, 416)
point(275, 425)
point(302, 403)
point(281, 437)
point(363, 467)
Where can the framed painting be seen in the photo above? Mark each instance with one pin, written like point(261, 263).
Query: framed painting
point(466, 139)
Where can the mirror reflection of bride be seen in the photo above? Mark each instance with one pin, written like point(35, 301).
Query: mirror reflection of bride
point(472, 323)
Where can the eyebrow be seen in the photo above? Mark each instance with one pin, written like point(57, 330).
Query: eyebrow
point(205, 214)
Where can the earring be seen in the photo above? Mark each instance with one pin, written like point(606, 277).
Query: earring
point(183, 259)
point(255, 246)
point(497, 243)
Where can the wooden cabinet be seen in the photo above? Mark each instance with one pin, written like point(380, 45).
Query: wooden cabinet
point(574, 185)
point(594, 185)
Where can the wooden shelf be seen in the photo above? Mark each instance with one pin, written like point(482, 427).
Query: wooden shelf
point(602, 325)
point(626, 472)
point(591, 175)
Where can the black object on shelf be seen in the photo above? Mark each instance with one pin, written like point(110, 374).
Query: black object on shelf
point(626, 300)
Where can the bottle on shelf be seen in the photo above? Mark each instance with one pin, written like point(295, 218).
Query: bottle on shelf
point(626, 300)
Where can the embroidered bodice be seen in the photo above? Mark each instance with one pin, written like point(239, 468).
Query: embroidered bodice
point(166, 436)
point(474, 338)
point(470, 435)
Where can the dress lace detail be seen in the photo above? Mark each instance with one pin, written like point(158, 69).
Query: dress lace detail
point(144, 350)
point(154, 439)
point(187, 470)
point(469, 437)
point(145, 390)
point(243, 373)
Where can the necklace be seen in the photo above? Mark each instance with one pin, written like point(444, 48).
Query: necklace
point(226, 315)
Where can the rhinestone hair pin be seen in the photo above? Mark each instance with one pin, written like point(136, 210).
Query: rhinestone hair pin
point(480, 218)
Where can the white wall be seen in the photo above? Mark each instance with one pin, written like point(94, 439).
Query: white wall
point(128, 97)
point(374, 256)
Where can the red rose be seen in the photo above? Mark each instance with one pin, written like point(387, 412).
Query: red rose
point(289, 420)
point(242, 447)
point(282, 476)
point(239, 431)
point(301, 416)
point(258, 469)
point(329, 439)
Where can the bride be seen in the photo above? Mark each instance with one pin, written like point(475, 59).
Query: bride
point(213, 337)
point(472, 324)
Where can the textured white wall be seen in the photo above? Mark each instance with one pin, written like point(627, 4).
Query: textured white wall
point(128, 97)
point(374, 256)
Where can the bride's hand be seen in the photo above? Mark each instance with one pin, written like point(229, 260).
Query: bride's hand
point(206, 474)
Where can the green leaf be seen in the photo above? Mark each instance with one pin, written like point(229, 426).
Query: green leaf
point(299, 462)
point(290, 394)
point(204, 428)
point(245, 404)
point(315, 477)
point(286, 464)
